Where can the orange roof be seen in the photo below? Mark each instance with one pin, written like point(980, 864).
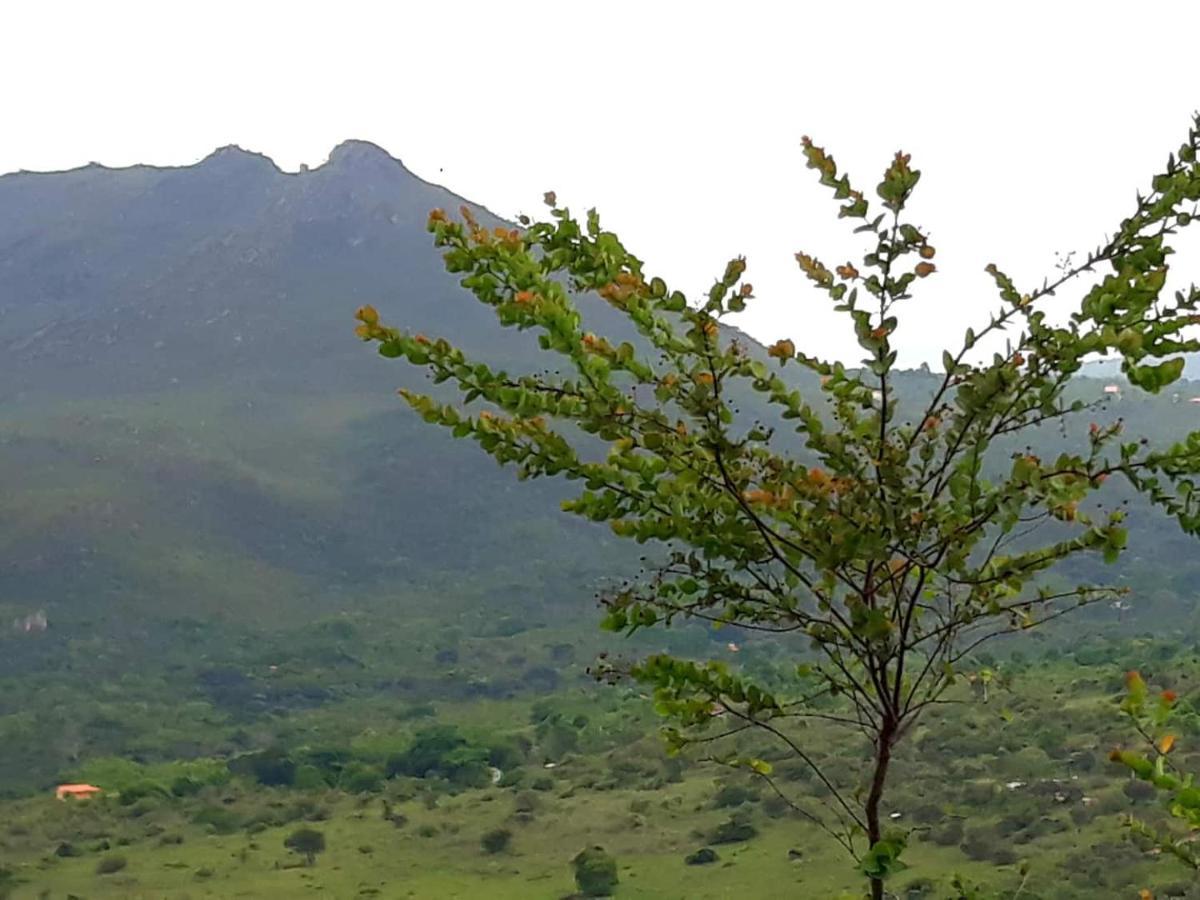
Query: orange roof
point(77, 789)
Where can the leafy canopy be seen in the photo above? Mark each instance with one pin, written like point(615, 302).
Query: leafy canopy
point(885, 543)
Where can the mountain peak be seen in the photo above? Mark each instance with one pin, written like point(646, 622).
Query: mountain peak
point(359, 155)
point(232, 154)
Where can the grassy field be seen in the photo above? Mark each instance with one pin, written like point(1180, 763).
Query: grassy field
point(436, 853)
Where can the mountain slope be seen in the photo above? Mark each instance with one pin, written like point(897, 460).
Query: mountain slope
point(191, 437)
point(212, 494)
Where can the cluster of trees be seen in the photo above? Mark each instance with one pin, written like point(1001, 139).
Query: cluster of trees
point(436, 751)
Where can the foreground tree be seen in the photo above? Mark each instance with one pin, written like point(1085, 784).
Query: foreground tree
point(889, 542)
point(1157, 720)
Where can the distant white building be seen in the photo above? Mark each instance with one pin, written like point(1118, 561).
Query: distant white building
point(34, 622)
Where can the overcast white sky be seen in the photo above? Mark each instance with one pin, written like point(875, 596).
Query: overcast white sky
point(1034, 123)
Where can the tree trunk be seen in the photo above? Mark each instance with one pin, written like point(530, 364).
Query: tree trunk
point(883, 758)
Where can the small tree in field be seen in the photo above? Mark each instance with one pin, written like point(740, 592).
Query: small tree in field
point(308, 842)
point(888, 541)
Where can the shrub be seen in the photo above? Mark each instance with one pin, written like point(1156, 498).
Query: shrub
point(110, 864)
point(947, 834)
point(595, 872)
point(985, 844)
point(185, 786)
point(273, 768)
point(526, 802)
point(306, 841)
point(309, 778)
point(733, 831)
point(136, 791)
point(701, 857)
point(733, 795)
point(441, 750)
point(496, 840)
point(419, 711)
point(218, 818)
point(1139, 791)
point(360, 778)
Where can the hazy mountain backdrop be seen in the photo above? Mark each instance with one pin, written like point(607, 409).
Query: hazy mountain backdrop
point(206, 473)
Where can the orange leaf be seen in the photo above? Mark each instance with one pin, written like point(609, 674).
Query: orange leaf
point(784, 349)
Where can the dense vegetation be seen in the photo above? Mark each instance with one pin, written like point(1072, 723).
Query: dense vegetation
point(1017, 789)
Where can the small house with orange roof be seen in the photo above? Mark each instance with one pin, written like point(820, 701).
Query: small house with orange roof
point(76, 791)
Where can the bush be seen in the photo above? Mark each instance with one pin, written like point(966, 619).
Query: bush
point(185, 786)
point(595, 872)
point(110, 864)
point(1138, 791)
point(984, 844)
point(419, 711)
point(273, 768)
point(306, 841)
point(526, 802)
point(309, 778)
point(701, 857)
point(948, 834)
point(360, 778)
point(733, 831)
point(733, 795)
point(136, 791)
point(496, 840)
point(505, 755)
point(776, 807)
point(218, 818)
point(442, 751)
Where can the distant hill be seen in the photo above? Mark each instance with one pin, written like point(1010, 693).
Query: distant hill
point(197, 452)
point(179, 376)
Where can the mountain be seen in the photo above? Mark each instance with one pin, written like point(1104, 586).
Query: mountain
point(218, 520)
point(199, 456)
